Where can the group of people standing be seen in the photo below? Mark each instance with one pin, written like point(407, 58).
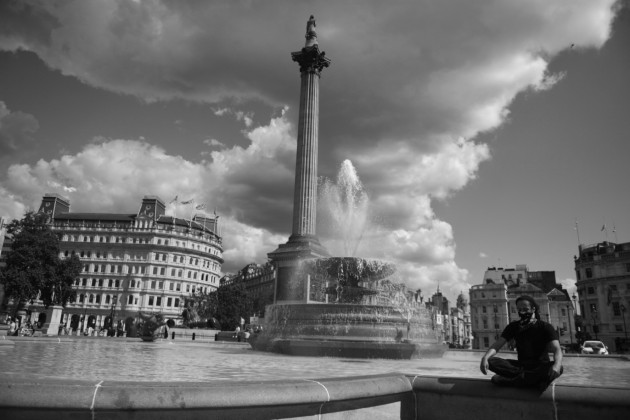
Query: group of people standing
point(17, 329)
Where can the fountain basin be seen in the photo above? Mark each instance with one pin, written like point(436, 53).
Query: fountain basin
point(348, 330)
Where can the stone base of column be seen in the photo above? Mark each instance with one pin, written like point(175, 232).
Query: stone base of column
point(290, 286)
point(53, 318)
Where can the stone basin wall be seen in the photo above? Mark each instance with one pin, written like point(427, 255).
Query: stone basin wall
point(390, 396)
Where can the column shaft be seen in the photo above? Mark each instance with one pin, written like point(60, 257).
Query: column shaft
point(305, 193)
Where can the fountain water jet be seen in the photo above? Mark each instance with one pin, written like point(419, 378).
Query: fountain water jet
point(344, 205)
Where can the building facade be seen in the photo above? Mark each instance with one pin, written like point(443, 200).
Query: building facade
point(603, 285)
point(493, 304)
point(134, 262)
point(259, 282)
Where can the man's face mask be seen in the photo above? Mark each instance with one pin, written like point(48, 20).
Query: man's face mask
point(526, 315)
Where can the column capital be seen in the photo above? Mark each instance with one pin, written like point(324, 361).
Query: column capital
point(311, 59)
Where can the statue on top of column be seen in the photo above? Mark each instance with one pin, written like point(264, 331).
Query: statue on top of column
point(310, 25)
point(311, 35)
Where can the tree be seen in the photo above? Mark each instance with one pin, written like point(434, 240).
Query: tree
point(233, 303)
point(33, 267)
point(227, 305)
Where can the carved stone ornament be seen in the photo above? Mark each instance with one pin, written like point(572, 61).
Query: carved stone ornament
point(311, 60)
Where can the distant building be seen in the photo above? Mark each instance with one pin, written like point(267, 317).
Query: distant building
point(603, 285)
point(493, 304)
point(259, 282)
point(144, 261)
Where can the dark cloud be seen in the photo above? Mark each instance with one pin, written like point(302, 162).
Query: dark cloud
point(16, 130)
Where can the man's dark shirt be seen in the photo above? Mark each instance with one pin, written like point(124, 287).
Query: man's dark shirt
point(531, 342)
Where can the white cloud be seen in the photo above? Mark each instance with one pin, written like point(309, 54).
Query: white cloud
point(213, 143)
point(483, 255)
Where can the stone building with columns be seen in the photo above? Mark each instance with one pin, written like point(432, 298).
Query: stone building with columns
point(144, 261)
point(603, 286)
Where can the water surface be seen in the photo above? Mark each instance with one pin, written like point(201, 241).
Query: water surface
point(171, 361)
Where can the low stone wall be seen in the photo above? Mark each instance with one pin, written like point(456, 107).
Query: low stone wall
point(390, 396)
point(456, 398)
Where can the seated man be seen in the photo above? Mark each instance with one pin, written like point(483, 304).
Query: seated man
point(534, 339)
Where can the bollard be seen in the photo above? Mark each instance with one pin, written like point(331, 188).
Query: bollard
point(193, 336)
point(216, 337)
point(173, 335)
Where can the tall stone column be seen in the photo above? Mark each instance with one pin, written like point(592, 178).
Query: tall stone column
point(303, 243)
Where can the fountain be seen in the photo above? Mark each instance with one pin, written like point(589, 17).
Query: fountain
point(349, 306)
point(151, 325)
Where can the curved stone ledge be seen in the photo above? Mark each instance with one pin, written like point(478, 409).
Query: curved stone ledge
point(58, 398)
point(390, 396)
point(457, 398)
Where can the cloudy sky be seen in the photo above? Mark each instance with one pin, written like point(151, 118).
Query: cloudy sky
point(481, 130)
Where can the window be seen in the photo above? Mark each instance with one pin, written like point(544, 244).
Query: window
point(589, 273)
point(91, 300)
point(486, 342)
point(483, 309)
point(153, 283)
point(618, 328)
point(162, 271)
point(564, 312)
point(81, 298)
point(616, 309)
point(155, 270)
point(593, 308)
point(130, 300)
point(107, 298)
point(628, 267)
point(176, 302)
point(158, 301)
point(150, 300)
point(169, 301)
point(161, 285)
point(496, 325)
point(590, 290)
point(485, 324)
point(173, 272)
point(98, 298)
point(171, 286)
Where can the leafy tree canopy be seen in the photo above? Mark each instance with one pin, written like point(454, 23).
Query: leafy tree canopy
point(226, 306)
point(33, 266)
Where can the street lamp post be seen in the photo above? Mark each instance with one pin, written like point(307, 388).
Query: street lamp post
point(496, 332)
point(569, 307)
point(594, 321)
point(625, 330)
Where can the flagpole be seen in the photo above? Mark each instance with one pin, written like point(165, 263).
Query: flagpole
point(577, 230)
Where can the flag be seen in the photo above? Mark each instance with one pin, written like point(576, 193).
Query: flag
point(188, 201)
point(200, 207)
point(614, 229)
point(603, 227)
point(174, 200)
